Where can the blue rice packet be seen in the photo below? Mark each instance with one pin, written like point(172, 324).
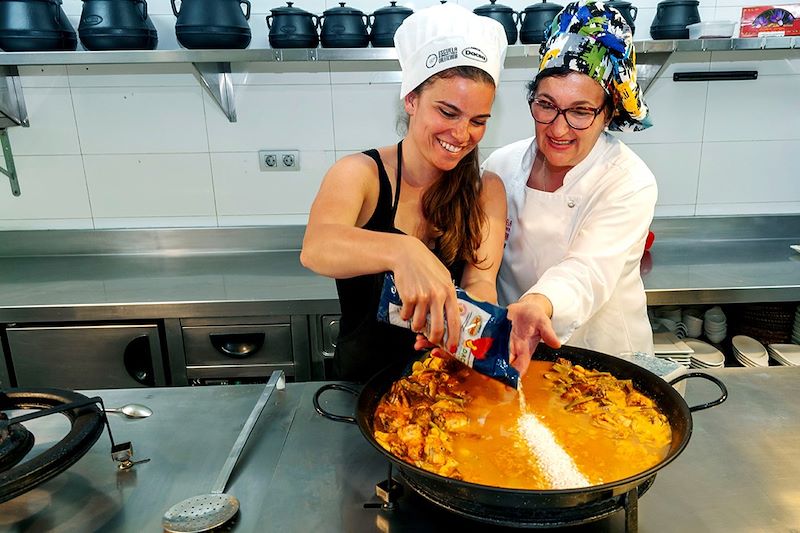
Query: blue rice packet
point(485, 332)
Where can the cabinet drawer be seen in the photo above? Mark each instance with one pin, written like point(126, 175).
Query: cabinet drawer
point(86, 357)
point(240, 345)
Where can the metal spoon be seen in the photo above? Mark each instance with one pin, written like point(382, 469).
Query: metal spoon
point(208, 511)
point(131, 410)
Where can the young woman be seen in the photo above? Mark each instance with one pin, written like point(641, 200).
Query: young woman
point(579, 201)
point(419, 208)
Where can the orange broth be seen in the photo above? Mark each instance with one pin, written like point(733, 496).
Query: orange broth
point(491, 452)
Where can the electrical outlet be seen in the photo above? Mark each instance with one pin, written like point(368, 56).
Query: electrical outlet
point(279, 160)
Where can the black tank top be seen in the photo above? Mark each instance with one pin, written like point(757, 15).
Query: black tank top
point(365, 345)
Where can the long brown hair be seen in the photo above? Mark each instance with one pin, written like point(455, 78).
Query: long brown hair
point(452, 204)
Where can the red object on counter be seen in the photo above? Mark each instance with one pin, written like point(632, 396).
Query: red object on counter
point(649, 242)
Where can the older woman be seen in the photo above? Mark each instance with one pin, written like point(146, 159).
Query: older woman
point(579, 200)
point(418, 208)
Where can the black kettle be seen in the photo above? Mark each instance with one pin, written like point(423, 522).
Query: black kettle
point(672, 17)
point(502, 14)
point(384, 23)
point(292, 27)
point(344, 27)
point(116, 25)
point(35, 26)
point(535, 19)
point(627, 10)
point(212, 23)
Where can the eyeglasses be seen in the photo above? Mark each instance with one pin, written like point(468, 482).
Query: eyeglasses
point(578, 118)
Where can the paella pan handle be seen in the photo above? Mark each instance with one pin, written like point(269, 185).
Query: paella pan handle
point(328, 415)
point(722, 388)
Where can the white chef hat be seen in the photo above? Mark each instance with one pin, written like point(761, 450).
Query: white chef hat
point(444, 36)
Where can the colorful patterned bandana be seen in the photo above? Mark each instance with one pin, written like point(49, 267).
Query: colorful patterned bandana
point(592, 38)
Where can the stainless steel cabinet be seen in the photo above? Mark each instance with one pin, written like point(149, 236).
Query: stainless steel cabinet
point(86, 356)
point(324, 332)
point(5, 377)
point(245, 347)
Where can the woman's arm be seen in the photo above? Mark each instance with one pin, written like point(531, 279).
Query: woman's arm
point(335, 245)
point(480, 279)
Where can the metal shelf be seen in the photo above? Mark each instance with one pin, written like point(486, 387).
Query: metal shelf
point(351, 54)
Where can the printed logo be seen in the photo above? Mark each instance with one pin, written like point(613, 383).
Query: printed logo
point(431, 61)
point(447, 54)
point(474, 53)
point(91, 20)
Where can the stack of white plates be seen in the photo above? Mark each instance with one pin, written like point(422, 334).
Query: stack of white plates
point(705, 355)
point(667, 345)
point(715, 325)
point(749, 351)
point(785, 354)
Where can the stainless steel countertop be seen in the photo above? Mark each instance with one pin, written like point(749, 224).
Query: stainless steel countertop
point(172, 273)
point(300, 472)
point(157, 286)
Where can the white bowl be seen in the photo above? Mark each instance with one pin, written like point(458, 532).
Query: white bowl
point(715, 315)
point(693, 319)
point(670, 312)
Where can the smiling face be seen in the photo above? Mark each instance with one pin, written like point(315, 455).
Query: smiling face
point(564, 147)
point(447, 118)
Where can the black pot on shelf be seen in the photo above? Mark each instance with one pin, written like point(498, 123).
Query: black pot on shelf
point(672, 17)
point(384, 23)
point(502, 14)
point(344, 27)
point(535, 19)
point(35, 26)
point(212, 23)
point(292, 27)
point(627, 10)
point(116, 25)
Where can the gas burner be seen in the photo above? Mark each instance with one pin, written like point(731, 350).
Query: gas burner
point(15, 443)
point(87, 422)
point(390, 492)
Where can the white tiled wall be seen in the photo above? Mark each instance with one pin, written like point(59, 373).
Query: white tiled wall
point(146, 146)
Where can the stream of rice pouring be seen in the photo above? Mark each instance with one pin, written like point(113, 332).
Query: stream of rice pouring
point(558, 467)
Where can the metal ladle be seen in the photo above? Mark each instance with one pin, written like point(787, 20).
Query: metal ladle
point(208, 511)
point(131, 410)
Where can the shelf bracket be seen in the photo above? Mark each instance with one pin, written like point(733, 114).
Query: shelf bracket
point(12, 101)
point(218, 81)
point(12, 113)
point(648, 67)
point(10, 171)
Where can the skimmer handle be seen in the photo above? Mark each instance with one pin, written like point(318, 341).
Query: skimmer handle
point(276, 381)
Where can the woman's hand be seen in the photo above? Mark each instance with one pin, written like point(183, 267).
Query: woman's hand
point(530, 324)
point(425, 286)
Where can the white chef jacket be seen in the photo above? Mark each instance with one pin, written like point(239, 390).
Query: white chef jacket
point(581, 245)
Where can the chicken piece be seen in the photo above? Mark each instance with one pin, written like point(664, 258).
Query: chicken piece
point(413, 439)
point(436, 452)
point(637, 398)
point(450, 469)
point(422, 416)
point(391, 418)
point(449, 415)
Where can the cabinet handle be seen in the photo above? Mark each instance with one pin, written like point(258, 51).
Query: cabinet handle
point(138, 361)
point(238, 345)
point(726, 75)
